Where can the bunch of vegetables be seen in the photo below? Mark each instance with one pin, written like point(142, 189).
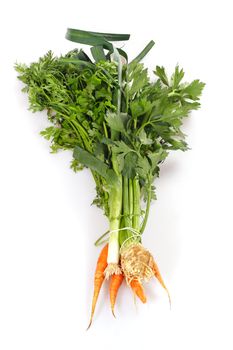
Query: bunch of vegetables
point(120, 125)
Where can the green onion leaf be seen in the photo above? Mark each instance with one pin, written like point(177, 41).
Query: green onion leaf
point(98, 53)
point(144, 52)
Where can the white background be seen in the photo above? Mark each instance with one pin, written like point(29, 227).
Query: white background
point(47, 257)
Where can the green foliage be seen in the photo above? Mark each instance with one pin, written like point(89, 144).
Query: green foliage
point(117, 122)
point(91, 161)
point(193, 90)
point(81, 99)
point(177, 77)
point(160, 72)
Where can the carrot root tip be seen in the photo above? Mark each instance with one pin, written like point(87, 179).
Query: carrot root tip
point(90, 323)
point(113, 313)
point(170, 301)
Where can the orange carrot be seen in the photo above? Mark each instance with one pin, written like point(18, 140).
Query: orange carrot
point(99, 278)
point(160, 279)
point(114, 286)
point(138, 290)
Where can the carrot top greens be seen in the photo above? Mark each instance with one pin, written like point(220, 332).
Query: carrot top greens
point(116, 120)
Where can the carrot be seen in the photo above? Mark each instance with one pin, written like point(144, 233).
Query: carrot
point(138, 290)
point(114, 286)
point(160, 279)
point(99, 278)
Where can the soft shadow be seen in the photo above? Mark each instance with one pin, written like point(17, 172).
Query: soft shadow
point(162, 237)
point(167, 168)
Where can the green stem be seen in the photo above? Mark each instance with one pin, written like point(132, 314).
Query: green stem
point(84, 135)
point(81, 132)
point(147, 210)
point(115, 200)
point(142, 127)
point(130, 199)
point(115, 208)
point(118, 60)
point(115, 164)
point(136, 204)
point(105, 130)
point(126, 209)
point(126, 91)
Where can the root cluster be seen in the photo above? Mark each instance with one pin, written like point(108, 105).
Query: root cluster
point(137, 263)
point(112, 269)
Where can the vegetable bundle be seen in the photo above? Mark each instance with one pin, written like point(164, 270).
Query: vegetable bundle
point(120, 125)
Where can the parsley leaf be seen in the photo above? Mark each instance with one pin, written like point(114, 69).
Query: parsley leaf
point(194, 90)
